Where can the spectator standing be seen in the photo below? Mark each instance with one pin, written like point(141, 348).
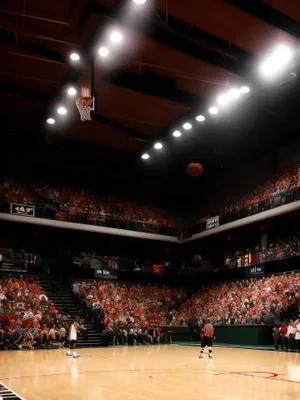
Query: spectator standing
point(297, 336)
point(291, 332)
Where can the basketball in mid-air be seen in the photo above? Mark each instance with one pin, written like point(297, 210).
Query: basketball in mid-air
point(194, 169)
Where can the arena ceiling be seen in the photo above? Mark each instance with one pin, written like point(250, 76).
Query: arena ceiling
point(176, 56)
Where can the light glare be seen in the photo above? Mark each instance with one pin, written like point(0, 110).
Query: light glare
point(62, 110)
point(233, 94)
point(72, 91)
point(223, 99)
point(187, 126)
point(213, 110)
point(139, 1)
point(145, 156)
point(75, 57)
point(244, 89)
point(158, 146)
point(200, 118)
point(50, 121)
point(116, 37)
point(277, 61)
point(103, 51)
point(176, 133)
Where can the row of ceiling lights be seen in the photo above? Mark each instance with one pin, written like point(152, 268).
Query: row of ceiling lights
point(269, 69)
point(275, 63)
point(222, 100)
point(115, 37)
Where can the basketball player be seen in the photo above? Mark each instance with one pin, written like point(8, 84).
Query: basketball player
point(207, 338)
point(73, 339)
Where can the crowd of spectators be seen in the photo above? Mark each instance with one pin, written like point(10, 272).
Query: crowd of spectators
point(140, 310)
point(259, 255)
point(28, 319)
point(146, 313)
point(288, 180)
point(95, 206)
point(246, 302)
point(99, 207)
point(14, 192)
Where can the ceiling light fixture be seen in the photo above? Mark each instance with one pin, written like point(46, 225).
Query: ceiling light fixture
point(244, 89)
point(223, 99)
point(213, 110)
point(72, 91)
point(50, 121)
point(187, 126)
point(158, 146)
point(276, 62)
point(103, 51)
point(145, 156)
point(233, 94)
point(116, 37)
point(75, 57)
point(200, 118)
point(139, 1)
point(176, 133)
point(62, 110)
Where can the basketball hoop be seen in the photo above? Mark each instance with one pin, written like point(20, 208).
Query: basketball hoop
point(85, 105)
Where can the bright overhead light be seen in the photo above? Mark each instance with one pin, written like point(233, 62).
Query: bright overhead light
point(276, 62)
point(244, 89)
point(176, 133)
point(103, 51)
point(62, 110)
point(72, 91)
point(139, 1)
point(213, 110)
point(233, 94)
point(145, 156)
point(187, 126)
point(116, 37)
point(50, 121)
point(200, 118)
point(75, 57)
point(158, 146)
point(223, 99)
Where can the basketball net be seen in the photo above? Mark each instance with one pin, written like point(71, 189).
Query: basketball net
point(84, 105)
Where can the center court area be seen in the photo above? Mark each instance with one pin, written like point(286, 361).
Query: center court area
point(150, 373)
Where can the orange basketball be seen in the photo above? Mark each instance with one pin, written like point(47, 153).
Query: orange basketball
point(194, 169)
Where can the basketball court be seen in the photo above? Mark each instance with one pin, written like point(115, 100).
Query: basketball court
point(150, 373)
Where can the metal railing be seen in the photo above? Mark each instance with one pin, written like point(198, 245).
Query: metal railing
point(275, 200)
point(51, 212)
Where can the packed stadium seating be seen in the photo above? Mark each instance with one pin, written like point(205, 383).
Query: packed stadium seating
point(14, 192)
point(248, 302)
point(287, 180)
point(137, 304)
point(258, 255)
point(67, 201)
point(25, 311)
point(78, 201)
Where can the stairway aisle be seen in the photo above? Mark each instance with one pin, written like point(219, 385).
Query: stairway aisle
point(63, 301)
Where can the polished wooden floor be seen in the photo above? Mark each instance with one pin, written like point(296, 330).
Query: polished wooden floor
point(151, 373)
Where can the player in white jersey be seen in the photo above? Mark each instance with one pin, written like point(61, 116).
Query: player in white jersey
point(73, 339)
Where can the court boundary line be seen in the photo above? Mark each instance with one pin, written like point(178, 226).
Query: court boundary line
point(16, 394)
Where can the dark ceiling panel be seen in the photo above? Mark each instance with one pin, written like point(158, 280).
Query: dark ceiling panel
point(152, 84)
point(270, 15)
point(175, 40)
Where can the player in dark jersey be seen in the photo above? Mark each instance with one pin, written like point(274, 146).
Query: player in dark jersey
point(207, 339)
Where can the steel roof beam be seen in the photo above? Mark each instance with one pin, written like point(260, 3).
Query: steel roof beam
point(174, 39)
